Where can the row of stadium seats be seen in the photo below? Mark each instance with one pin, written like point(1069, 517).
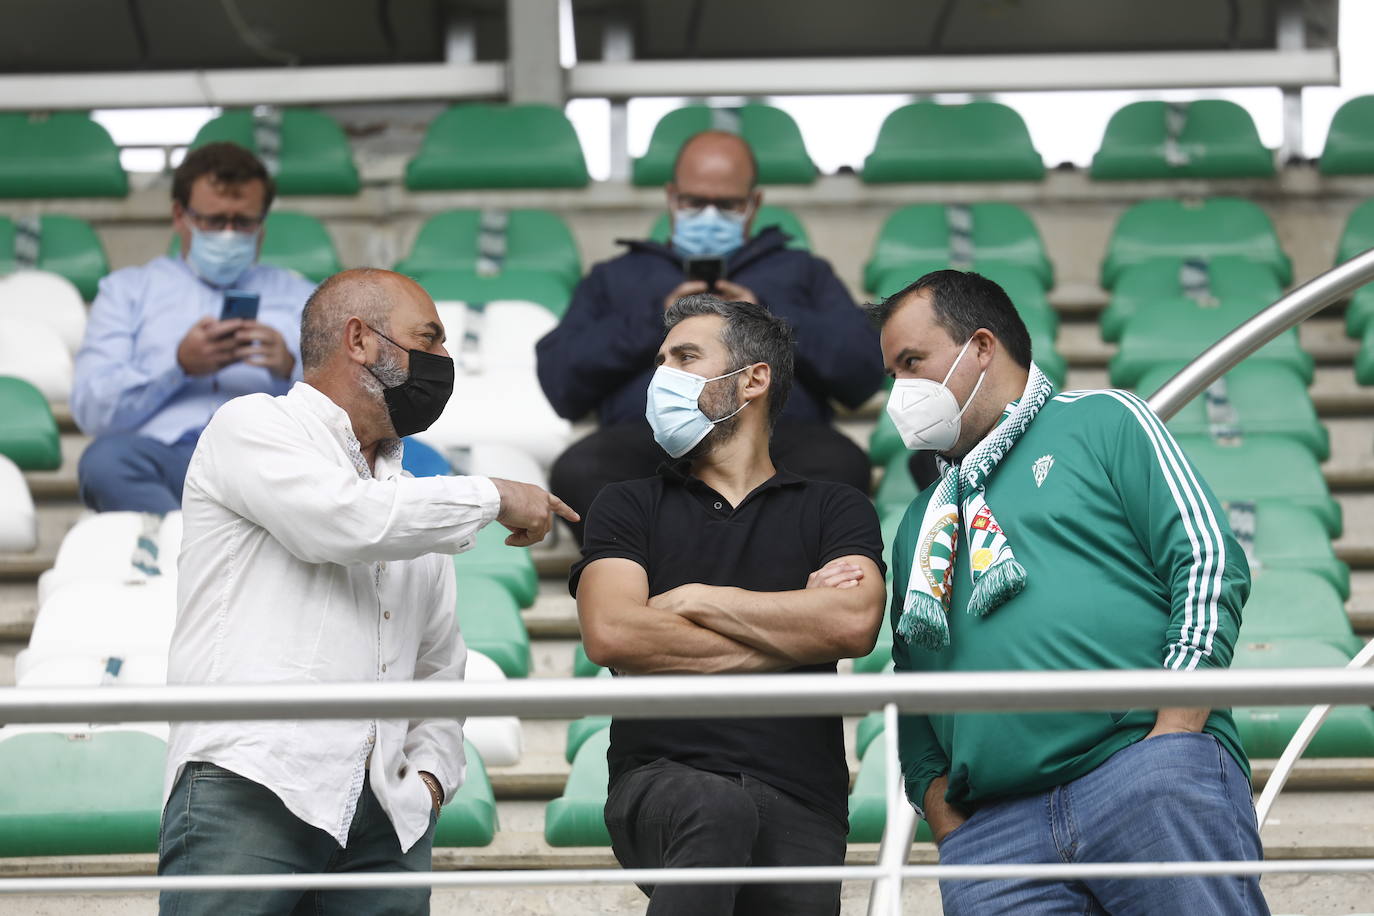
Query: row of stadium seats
point(477, 145)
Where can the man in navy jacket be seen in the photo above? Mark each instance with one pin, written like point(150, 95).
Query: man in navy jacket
point(601, 356)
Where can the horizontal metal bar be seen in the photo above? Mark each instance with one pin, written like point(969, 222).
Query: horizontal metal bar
point(255, 86)
point(981, 73)
point(1303, 302)
point(682, 696)
point(614, 876)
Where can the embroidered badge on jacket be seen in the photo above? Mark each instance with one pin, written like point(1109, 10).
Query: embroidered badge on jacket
point(1042, 469)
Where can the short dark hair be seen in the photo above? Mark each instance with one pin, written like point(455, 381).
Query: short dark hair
point(964, 302)
point(752, 334)
point(226, 163)
point(753, 160)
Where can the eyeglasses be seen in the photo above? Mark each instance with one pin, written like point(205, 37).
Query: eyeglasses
point(694, 204)
point(218, 222)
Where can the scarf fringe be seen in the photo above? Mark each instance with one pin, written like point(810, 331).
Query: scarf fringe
point(997, 585)
point(923, 622)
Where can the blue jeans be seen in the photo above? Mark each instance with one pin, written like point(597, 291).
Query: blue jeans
point(126, 472)
point(1172, 798)
point(219, 823)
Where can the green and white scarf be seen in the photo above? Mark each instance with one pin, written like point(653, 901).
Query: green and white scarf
point(997, 577)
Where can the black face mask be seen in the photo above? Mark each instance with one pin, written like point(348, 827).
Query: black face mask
point(417, 402)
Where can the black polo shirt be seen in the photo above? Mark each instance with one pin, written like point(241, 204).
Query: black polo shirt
point(681, 531)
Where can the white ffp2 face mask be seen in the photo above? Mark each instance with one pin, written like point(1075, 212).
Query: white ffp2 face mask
point(926, 413)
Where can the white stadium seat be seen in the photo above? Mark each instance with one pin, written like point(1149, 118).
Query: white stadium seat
point(102, 619)
point(18, 521)
point(494, 460)
point(33, 351)
point(106, 547)
point(497, 738)
point(501, 408)
point(94, 671)
point(48, 298)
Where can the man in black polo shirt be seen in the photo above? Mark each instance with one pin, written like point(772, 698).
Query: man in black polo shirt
point(725, 564)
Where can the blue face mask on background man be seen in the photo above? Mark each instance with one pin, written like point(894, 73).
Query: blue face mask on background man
point(220, 258)
point(707, 232)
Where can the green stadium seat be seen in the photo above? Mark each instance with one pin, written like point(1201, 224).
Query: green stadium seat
point(1264, 469)
point(489, 619)
point(28, 433)
point(493, 242)
point(1296, 604)
point(1266, 730)
point(65, 245)
point(1225, 278)
point(770, 132)
point(584, 666)
point(311, 153)
point(1205, 229)
point(291, 241)
point(980, 141)
point(579, 730)
point(472, 288)
point(1287, 537)
point(878, 661)
point(869, 727)
point(1212, 138)
point(1174, 331)
point(94, 792)
point(1357, 237)
point(951, 236)
point(767, 216)
point(1364, 360)
point(577, 817)
point(896, 490)
point(469, 818)
point(1256, 399)
point(63, 154)
point(476, 145)
point(492, 558)
point(1349, 146)
point(1020, 284)
point(868, 800)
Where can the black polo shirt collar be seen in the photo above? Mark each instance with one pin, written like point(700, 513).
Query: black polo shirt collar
point(680, 473)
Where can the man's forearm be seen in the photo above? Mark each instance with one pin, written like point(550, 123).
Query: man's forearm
point(807, 626)
point(648, 640)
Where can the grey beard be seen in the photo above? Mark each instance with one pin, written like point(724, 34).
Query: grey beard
point(386, 372)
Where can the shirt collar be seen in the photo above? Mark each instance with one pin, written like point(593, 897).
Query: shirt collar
point(336, 418)
point(680, 473)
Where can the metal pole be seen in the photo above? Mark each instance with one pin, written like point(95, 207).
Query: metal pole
point(1303, 302)
point(886, 897)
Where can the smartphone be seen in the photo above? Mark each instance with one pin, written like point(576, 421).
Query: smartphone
point(239, 303)
point(707, 270)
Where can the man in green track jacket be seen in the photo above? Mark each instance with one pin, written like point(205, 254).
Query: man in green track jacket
point(1067, 532)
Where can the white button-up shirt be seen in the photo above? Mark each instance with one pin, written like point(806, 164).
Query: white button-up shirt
point(299, 566)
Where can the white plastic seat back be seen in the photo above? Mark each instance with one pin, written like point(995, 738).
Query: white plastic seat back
point(46, 297)
point(93, 671)
point(497, 738)
point(158, 730)
point(115, 547)
point(494, 460)
point(103, 619)
point(502, 408)
point(510, 330)
point(33, 351)
point(18, 520)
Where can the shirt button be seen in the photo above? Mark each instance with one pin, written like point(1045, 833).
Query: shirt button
point(402, 772)
point(717, 505)
point(386, 615)
point(383, 669)
point(371, 739)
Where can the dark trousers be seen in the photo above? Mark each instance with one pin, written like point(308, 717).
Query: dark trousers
point(669, 815)
point(219, 823)
point(627, 451)
point(126, 472)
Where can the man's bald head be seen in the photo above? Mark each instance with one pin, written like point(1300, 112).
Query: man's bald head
point(715, 156)
point(367, 293)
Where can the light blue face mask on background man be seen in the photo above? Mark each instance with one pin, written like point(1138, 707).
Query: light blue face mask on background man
point(707, 232)
point(220, 258)
point(673, 412)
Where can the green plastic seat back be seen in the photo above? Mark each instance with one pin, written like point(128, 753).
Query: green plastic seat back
point(469, 817)
point(28, 433)
point(1215, 139)
point(535, 240)
point(1258, 398)
point(1359, 315)
point(1175, 331)
point(291, 241)
point(63, 154)
point(1349, 146)
point(90, 793)
point(66, 246)
point(476, 145)
point(1002, 234)
point(868, 800)
point(1296, 604)
point(770, 132)
point(897, 489)
point(1266, 730)
point(490, 622)
point(1141, 285)
point(1288, 537)
point(980, 141)
point(869, 727)
point(767, 216)
point(1205, 229)
point(577, 817)
point(1358, 236)
point(584, 666)
point(492, 558)
point(314, 156)
point(1263, 469)
point(579, 730)
point(1364, 360)
point(510, 285)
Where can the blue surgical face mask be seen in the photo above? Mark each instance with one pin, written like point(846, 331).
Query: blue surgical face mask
point(707, 233)
point(673, 410)
point(220, 258)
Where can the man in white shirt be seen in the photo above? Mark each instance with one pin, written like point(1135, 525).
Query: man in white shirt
point(308, 557)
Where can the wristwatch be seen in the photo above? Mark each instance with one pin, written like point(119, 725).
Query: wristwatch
point(436, 792)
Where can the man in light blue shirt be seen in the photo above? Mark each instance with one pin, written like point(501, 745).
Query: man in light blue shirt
point(157, 360)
